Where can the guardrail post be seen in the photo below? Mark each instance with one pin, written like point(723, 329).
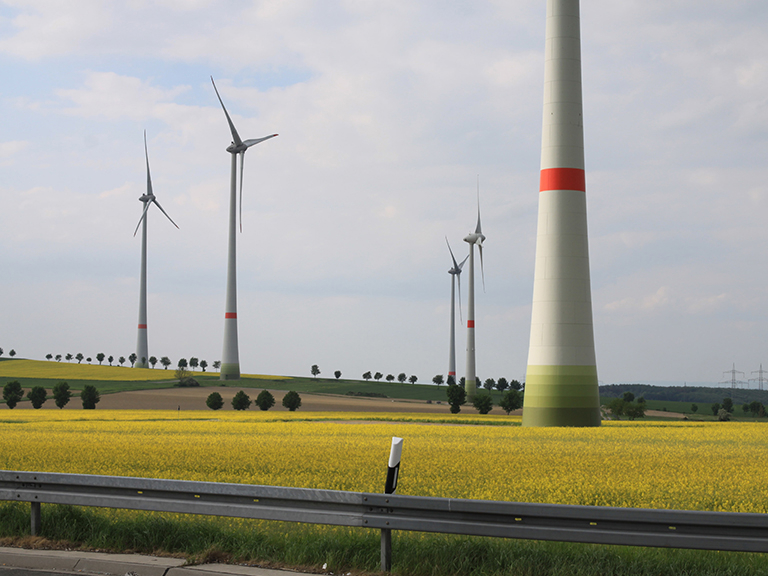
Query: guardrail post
point(386, 550)
point(35, 518)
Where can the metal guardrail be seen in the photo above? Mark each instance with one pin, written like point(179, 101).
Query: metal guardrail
point(726, 531)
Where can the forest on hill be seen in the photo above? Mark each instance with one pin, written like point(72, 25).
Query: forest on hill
point(699, 394)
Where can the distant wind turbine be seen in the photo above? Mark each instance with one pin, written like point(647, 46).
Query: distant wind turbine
point(230, 356)
point(455, 273)
point(474, 238)
point(142, 353)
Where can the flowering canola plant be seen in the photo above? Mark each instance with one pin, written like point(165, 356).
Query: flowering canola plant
point(674, 465)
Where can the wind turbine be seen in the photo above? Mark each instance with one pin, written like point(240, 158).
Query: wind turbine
point(476, 237)
point(230, 356)
point(142, 353)
point(455, 273)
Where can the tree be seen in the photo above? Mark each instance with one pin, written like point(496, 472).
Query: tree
point(515, 385)
point(241, 401)
point(61, 394)
point(90, 397)
point(12, 353)
point(79, 357)
point(723, 415)
point(754, 407)
point(511, 400)
point(181, 374)
point(378, 376)
point(401, 377)
point(728, 404)
point(121, 360)
point(132, 358)
point(292, 401)
point(451, 380)
point(745, 408)
point(715, 408)
point(194, 363)
point(616, 407)
point(203, 365)
point(483, 403)
point(315, 371)
point(337, 374)
point(58, 357)
point(489, 384)
point(265, 400)
point(12, 393)
point(153, 361)
point(389, 378)
point(100, 357)
point(37, 396)
point(110, 360)
point(694, 408)
point(68, 357)
point(457, 396)
point(437, 379)
point(48, 356)
point(216, 364)
point(1, 351)
point(367, 376)
point(214, 401)
point(88, 359)
point(413, 379)
point(165, 361)
point(182, 363)
point(502, 384)
point(635, 410)
point(628, 397)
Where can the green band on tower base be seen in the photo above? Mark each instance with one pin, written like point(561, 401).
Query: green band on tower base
point(230, 372)
point(561, 396)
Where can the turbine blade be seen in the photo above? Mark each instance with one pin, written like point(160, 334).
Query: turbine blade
point(482, 271)
point(242, 166)
point(164, 212)
point(146, 155)
point(462, 263)
point(143, 215)
point(455, 265)
point(235, 135)
point(253, 141)
point(479, 229)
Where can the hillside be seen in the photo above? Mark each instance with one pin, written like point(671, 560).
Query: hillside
point(697, 394)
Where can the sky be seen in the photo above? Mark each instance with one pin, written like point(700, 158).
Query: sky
point(388, 114)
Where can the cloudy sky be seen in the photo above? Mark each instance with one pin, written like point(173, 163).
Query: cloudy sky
point(387, 114)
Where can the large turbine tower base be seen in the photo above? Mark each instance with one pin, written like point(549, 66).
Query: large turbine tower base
point(561, 387)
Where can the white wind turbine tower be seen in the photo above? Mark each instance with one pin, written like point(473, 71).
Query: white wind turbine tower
point(455, 273)
point(142, 353)
point(476, 237)
point(230, 356)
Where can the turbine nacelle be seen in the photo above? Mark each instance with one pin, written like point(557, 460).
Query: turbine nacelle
point(475, 238)
point(146, 198)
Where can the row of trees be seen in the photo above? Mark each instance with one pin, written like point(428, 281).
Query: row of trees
point(12, 353)
point(265, 400)
point(483, 403)
point(626, 406)
point(402, 377)
point(153, 360)
point(13, 393)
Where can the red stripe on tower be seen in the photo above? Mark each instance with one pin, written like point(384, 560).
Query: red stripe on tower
point(470, 323)
point(230, 315)
point(142, 326)
point(562, 179)
point(451, 373)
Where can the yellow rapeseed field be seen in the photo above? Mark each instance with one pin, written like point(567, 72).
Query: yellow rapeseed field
point(681, 465)
point(73, 371)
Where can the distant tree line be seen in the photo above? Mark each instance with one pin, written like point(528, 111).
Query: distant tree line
point(698, 394)
point(132, 358)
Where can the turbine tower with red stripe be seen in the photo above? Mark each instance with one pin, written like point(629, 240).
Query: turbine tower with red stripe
point(455, 273)
point(230, 356)
point(561, 386)
point(142, 348)
point(477, 237)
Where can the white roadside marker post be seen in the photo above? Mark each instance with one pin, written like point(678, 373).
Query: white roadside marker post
point(393, 473)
